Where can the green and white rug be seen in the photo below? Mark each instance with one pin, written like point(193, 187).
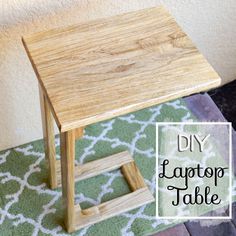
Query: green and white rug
point(28, 207)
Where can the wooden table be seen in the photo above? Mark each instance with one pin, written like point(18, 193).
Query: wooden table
point(98, 70)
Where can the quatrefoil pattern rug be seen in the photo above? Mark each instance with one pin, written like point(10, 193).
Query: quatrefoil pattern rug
point(29, 207)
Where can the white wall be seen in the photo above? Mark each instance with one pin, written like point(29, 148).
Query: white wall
point(210, 23)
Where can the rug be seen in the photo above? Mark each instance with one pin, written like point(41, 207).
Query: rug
point(29, 207)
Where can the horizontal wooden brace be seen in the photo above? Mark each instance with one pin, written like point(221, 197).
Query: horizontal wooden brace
point(111, 208)
point(97, 167)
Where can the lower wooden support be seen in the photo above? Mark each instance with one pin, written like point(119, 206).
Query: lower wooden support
point(133, 176)
point(97, 167)
point(76, 218)
point(112, 208)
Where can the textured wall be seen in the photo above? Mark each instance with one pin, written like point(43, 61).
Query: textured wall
point(210, 23)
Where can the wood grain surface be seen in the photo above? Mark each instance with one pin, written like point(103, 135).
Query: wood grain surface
point(113, 207)
point(108, 67)
point(77, 218)
point(67, 146)
point(133, 176)
point(97, 167)
point(49, 139)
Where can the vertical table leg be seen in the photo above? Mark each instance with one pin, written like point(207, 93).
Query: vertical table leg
point(49, 139)
point(68, 177)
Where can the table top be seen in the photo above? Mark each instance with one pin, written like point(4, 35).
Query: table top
point(108, 67)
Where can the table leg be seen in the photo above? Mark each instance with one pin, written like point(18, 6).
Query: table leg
point(49, 139)
point(68, 177)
